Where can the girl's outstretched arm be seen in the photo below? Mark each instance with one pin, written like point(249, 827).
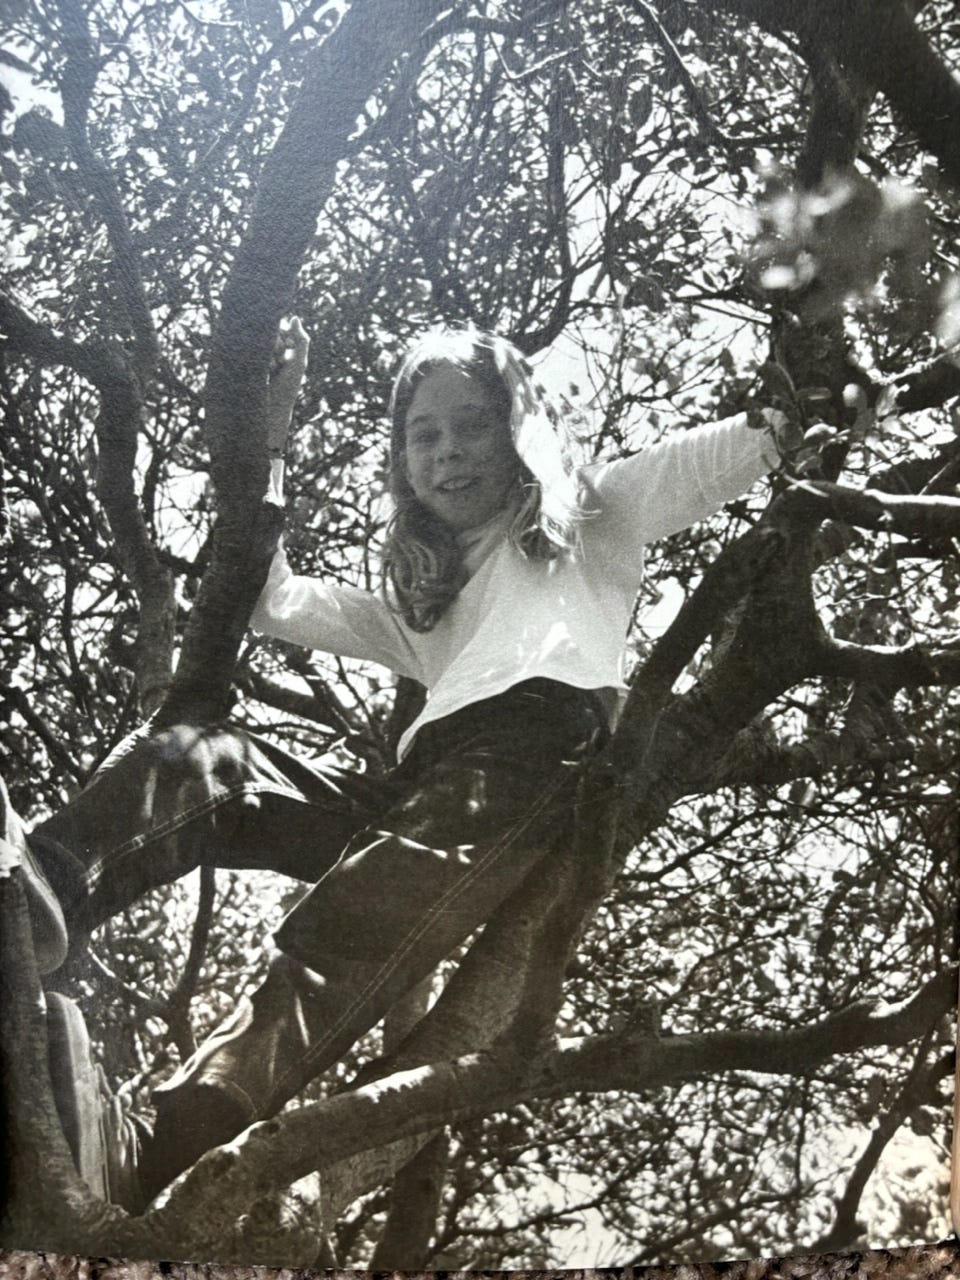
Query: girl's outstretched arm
point(684, 478)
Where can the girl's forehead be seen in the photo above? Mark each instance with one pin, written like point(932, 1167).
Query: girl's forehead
point(446, 387)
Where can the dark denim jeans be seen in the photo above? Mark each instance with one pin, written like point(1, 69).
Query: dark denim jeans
point(188, 796)
point(404, 869)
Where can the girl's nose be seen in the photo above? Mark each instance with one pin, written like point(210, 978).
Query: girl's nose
point(449, 444)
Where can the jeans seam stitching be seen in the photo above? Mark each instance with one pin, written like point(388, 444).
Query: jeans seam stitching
point(121, 852)
point(390, 965)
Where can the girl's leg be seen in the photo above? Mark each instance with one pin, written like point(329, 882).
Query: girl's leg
point(485, 806)
point(198, 795)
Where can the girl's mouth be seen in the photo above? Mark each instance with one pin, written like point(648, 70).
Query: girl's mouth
point(456, 485)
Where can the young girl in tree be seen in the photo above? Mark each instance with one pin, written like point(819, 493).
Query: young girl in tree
point(510, 578)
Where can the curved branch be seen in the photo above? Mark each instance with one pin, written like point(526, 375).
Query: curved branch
point(176, 1011)
point(117, 428)
point(924, 517)
point(753, 760)
point(919, 1087)
point(879, 40)
point(908, 666)
point(296, 180)
point(203, 1205)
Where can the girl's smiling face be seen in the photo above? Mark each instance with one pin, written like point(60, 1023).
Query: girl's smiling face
point(459, 454)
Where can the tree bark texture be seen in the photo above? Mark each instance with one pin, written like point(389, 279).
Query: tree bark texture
point(880, 42)
point(117, 427)
point(297, 178)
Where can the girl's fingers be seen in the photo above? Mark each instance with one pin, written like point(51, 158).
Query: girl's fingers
point(299, 340)
point(290, 348)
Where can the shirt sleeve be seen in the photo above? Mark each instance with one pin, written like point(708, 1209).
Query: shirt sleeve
point(330, 616)
point(683, 479)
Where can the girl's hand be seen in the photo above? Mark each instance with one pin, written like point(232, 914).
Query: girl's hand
point(286, 377)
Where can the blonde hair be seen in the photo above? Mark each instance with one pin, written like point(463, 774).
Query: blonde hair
point(422, 559)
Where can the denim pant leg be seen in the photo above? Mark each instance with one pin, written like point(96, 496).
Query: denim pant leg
point(407, 890)
point(187, 796)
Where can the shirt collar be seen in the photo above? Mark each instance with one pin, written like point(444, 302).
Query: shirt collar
point(477, 543)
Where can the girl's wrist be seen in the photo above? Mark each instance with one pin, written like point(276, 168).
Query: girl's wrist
point(274, 493)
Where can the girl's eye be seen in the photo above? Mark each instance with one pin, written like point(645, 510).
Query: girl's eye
point(422, 437)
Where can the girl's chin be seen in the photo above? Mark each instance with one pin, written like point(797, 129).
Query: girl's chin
point(462, 516)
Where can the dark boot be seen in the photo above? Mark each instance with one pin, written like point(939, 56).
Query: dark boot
point(193, 1121)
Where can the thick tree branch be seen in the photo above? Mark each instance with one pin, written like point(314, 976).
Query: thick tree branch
point(907, 666)
point(658, 757)
point(247, 94)
point(297, 178)
point(306, 706)
point(838, 115)
point(417, 1185)
point(754, 759)
point(724, 583)
point(880, 41)
point(641, 1063)
point(922, 517)
point(202, 1207)
point(118, 423)
point(364, 1171)
point(414, 1203)
point(28, 337)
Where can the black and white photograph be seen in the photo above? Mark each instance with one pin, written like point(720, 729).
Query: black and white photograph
point(480, 677)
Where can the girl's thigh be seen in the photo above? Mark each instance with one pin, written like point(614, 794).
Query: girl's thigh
point(204, 795)
point(463, 836)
